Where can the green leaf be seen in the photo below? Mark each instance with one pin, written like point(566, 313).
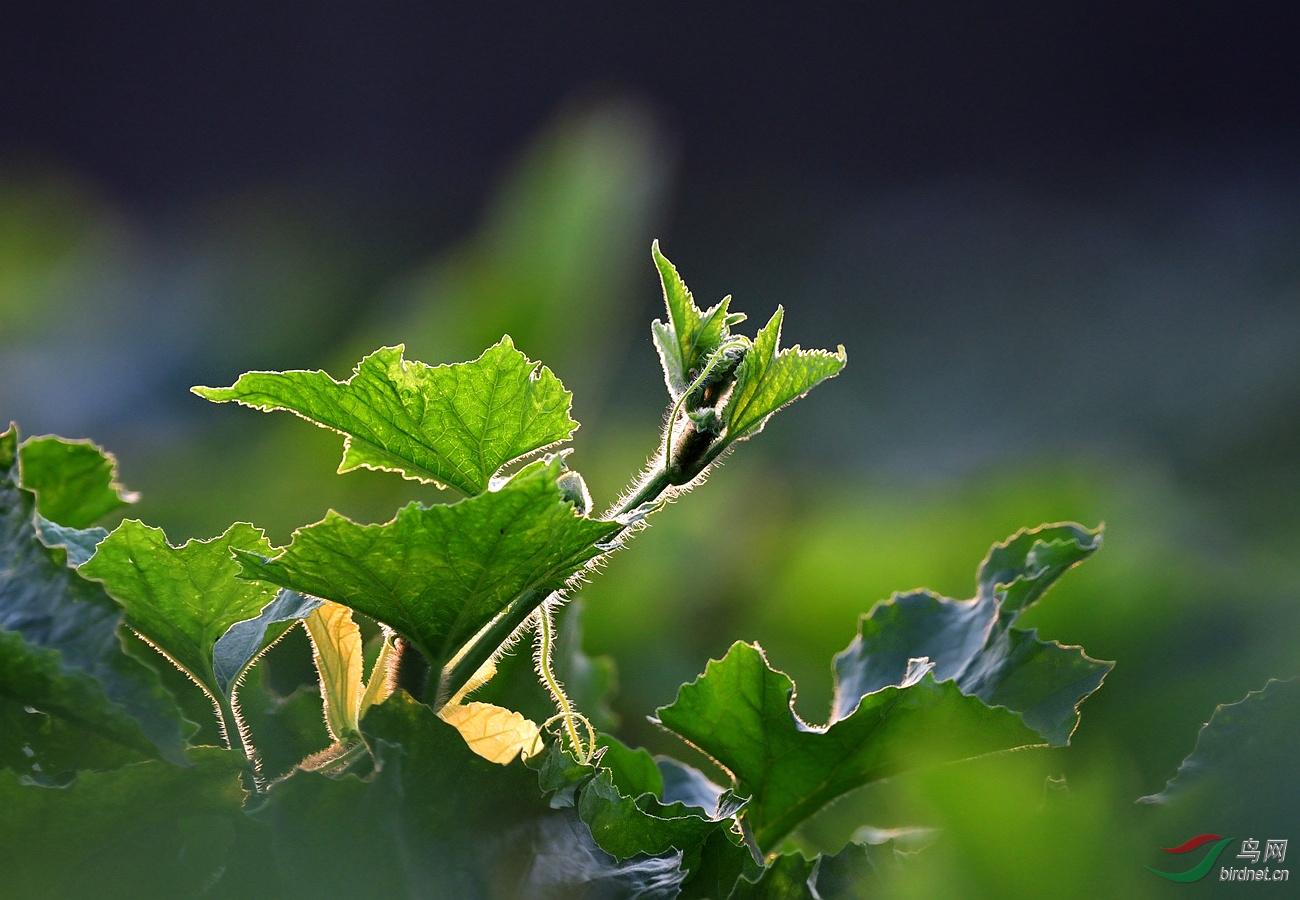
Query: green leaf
point(78, 543)
point(148, 830)
point(1243, 778)
point(739, 712)
point(62, 654)
point(75, 482)
point(438, 574)
point(182, 599)
point(634, 771)
point(438, 820)
point(768, 378)
point(244, 641)
point(626, 826)
point(973, 642)
point(454, 425)
point(691, 335)
point(788, 877)
point(53, 723)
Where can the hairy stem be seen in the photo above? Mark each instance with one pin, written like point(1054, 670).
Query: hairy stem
point(546, 671)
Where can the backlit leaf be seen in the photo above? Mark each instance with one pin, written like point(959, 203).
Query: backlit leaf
point(454, 425)
point(75, 482)
point(769, 377)
point(181, 599)
point(438, 574)
point(691, 335)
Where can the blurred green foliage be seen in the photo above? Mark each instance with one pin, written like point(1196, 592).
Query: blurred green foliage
point(1194, 610)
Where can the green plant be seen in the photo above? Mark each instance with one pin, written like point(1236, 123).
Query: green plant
point(428, 791)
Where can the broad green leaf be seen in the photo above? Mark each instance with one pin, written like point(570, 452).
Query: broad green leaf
point(53, 723)
point(973, 643)
point(626, 826)
point(437, 820)
point(454, 425)
point(438, 574)
point(182, 599)
point(75, 482)
point(62, 654)
point(244, 641)
point(498, 735)
point(147, 830)
point(690, 335)
point(769, 377)
point(739, 712)
point(1243, 779)
point(336, 649)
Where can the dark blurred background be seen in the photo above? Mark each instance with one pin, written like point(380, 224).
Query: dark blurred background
point(1059, 242)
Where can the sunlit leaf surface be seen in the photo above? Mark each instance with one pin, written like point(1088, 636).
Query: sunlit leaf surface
point(453, 425)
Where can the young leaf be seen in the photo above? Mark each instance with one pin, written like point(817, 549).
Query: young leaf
point(973, 642)
point(62, 654)
point(768, 378)
point(739, 712)
point(182, 599)
point(145, 831)
point(336, 649)
point(438, 574)
point(454, 425)
point(75, 482)
point(690, 335)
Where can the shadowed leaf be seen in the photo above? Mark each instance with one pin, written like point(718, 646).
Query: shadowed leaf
point(62, 654)
point(973, 643)
point(739, 712)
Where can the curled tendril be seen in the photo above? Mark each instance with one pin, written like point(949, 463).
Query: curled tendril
point(567, 714)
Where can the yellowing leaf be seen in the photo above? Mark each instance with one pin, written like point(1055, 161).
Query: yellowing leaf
point(493, 732)
point(336, 647)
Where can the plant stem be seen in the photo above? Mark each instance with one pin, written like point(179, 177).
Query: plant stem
point(481, 651)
